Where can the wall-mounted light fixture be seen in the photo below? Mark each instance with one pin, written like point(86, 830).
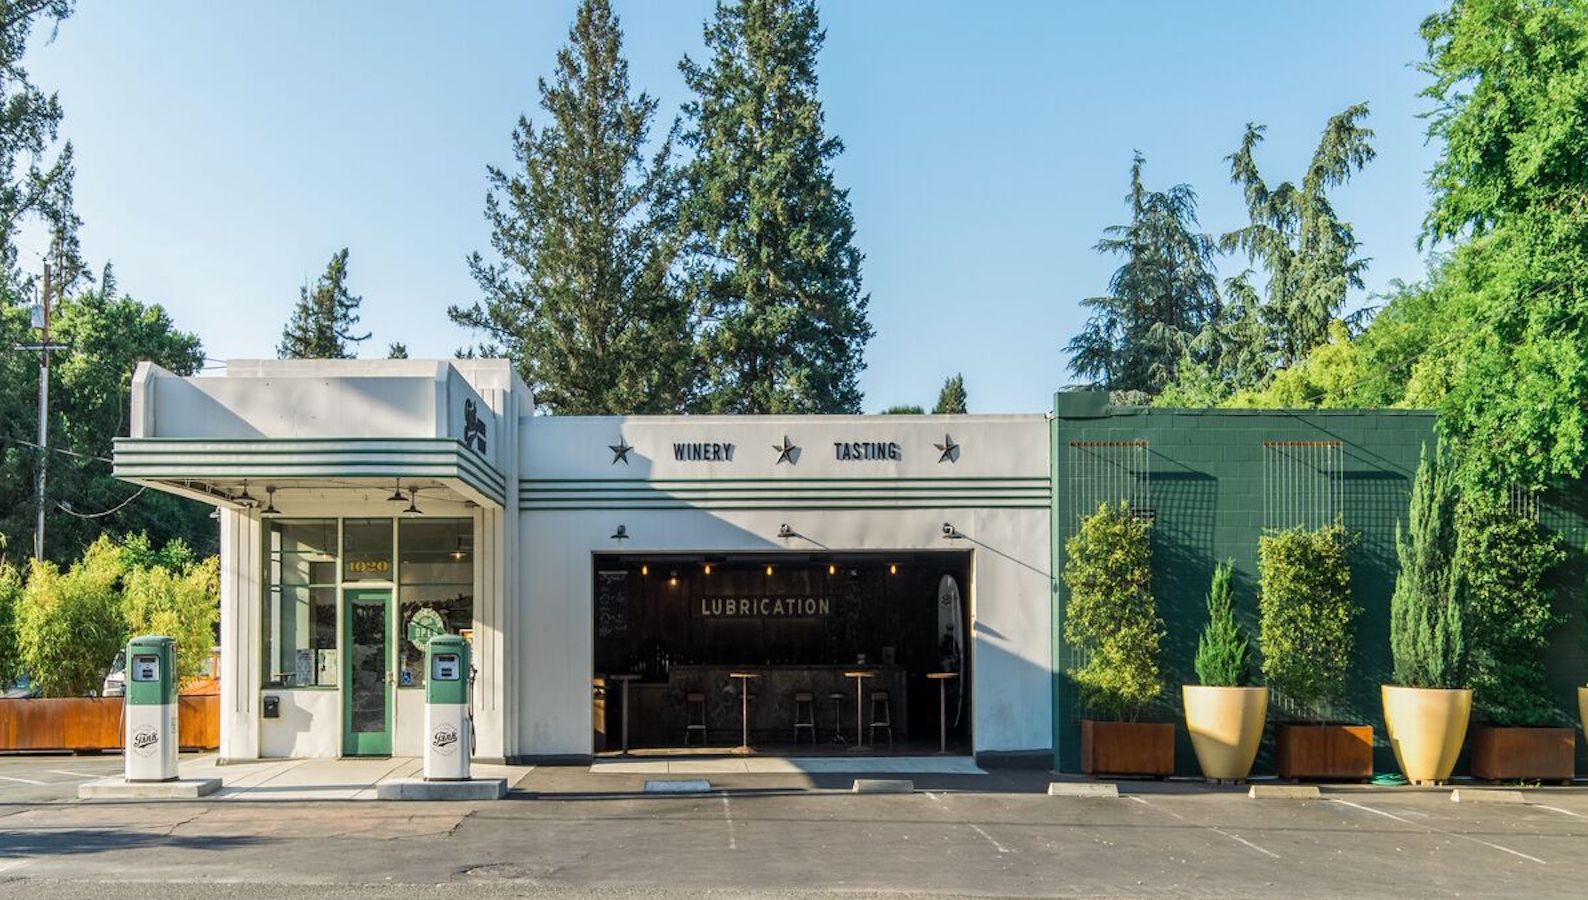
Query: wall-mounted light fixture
point(785, 532)
point(950, 533)
point(622, 534)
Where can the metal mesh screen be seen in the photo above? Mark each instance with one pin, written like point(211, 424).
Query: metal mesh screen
point(1302, 484)
point(1523, 501)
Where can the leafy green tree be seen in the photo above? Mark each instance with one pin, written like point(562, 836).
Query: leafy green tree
point(1502, 563)
point(1111, 618)
point(1509, 91)
point(10, 598)
point(1307, 616)
point(397, 350)
point(1427, 633)
point(1308, 253)
point(583, 295)
point(1159, 301)
point(71, 623)
point(776, 274)
point(904, 410)
point(105, 335)
point(951, 400)
point(322, 323)
point(181, 603)
point(1224, 651)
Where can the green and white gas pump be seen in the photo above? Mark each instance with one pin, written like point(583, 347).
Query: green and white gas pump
point(449, 733)
point(150, 709)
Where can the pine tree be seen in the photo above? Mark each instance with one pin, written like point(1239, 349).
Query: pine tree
point(951, 399)
point(322, 323)
point(397, 350)
point(1426, 638)
point(582, 295)
point(1309, 253)
point(777, 275)
point(1159, 300)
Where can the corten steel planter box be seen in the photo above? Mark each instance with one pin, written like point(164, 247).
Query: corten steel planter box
point(91, 724)
point(1514, 754)
point(1337, 752)
point(1127, 748)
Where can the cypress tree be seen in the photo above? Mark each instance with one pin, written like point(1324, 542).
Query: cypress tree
point(581, 294)
point(777, 276)
point(322, 323)
point(1426, 639)
point(951, 400)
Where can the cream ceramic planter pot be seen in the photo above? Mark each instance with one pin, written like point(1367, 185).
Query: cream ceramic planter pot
point(1226, 724)
point(1426, 727)
point(1582, 707)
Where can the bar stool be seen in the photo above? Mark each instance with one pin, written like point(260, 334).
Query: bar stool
point(885, 720)
point(804, 715)
point(695, 702)
point(838, 716)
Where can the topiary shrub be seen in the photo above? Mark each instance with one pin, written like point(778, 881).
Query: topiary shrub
point(1426, 634)
point(1502, 560)
point(1224, 652)
point(1111, 617)
point(1307, 615)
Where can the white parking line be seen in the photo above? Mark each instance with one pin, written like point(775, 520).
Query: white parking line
point(1218, 831)
point(8, 865)
point(727, 813)
point(21, 780)
point(1564, 812)
point(1455, 834)
point(79, 774)
point(978, 829)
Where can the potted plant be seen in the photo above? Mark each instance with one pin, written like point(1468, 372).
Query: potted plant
point(1225, 713)
point(1502, 561)
point(1306, 635)
point(1111, 621)
point(1426, 709)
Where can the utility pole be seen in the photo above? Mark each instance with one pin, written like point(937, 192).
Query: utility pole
point(43, 347)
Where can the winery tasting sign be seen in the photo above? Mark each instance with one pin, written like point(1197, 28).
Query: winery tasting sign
point(780, 607)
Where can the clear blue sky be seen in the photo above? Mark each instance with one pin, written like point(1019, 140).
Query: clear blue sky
point(225, 150)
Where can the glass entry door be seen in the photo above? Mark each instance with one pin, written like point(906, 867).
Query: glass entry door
point(366, 675)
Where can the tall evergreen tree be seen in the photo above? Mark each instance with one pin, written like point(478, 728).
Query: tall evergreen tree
point(1426, 631)
point(583, 295)
point(1159, 300)
point(777, 276)
point(322, 323)
point(1307, 251)
point(951, 399)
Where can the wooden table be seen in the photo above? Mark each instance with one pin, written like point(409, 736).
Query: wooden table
point(859, 746)
point(625, 679)
point(744, 709)
point(942, 679)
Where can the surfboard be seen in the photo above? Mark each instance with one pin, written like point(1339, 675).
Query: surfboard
point(951, 639)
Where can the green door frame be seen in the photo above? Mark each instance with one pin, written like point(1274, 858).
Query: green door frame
point(366, 743)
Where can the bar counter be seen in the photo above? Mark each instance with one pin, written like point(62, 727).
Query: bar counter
point(658, 712)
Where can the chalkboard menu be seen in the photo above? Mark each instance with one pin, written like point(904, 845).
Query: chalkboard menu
point(612, 603)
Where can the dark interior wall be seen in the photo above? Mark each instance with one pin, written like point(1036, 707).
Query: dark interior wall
point(1205, 490)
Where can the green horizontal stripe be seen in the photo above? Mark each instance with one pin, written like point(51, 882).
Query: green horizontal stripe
point(852, 479)
point(826, 508)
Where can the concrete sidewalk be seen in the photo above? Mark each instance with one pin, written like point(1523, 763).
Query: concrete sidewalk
point(319, 779)
point(789, 765)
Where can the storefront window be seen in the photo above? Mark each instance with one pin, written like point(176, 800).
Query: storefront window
point(366, 550)
point(299, 618)
point(435, 588)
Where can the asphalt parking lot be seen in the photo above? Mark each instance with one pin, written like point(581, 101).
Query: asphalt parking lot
point(565, 832)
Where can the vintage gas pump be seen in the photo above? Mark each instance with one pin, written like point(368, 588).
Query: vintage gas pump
point(449, 733)
point(150, 709)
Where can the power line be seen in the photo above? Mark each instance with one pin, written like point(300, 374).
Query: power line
point(65, 507)
point(72, 453)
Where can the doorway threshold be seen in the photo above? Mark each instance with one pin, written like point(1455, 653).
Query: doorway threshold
point(791, 765)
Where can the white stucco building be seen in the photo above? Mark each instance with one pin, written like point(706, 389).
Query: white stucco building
point(367, 504)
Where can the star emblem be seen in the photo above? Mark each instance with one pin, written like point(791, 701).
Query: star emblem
point(620, 451)
point(786, 451)
point(949, 450)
